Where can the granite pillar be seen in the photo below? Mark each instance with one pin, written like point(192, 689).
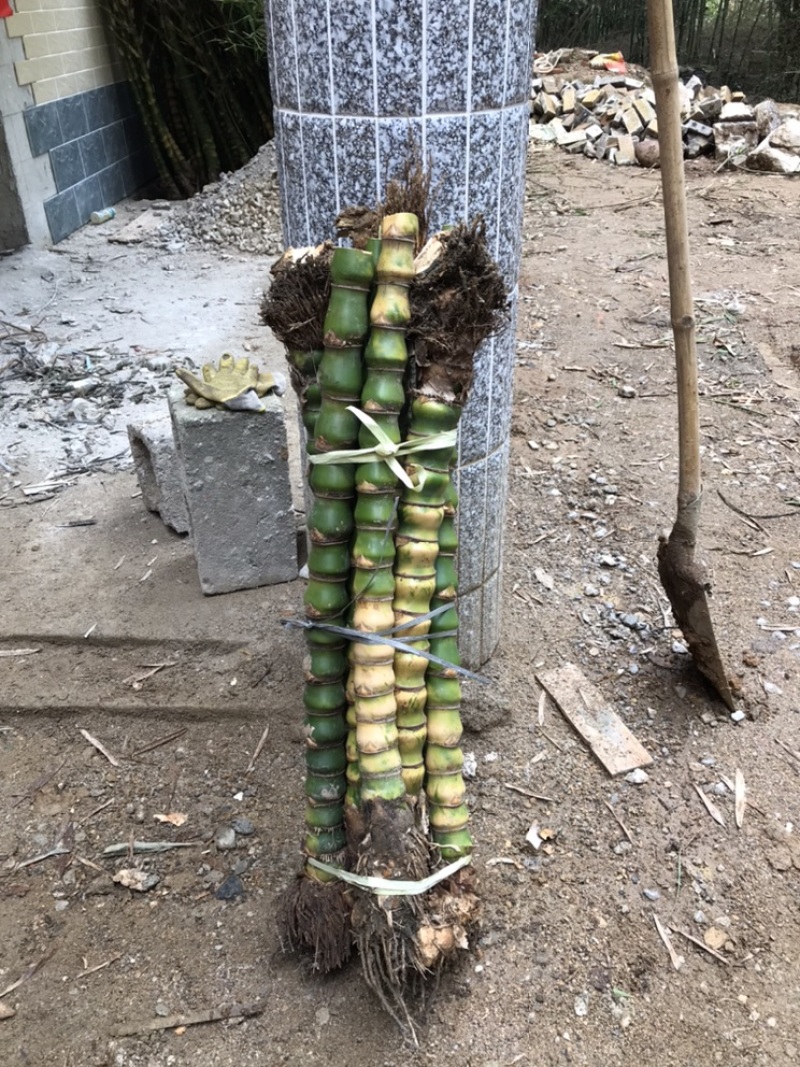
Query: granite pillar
point(353, 84)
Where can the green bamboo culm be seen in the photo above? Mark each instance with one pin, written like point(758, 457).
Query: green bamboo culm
point(316, 912)
point(444, 761)
point(421, 512)
point(383, 399)
point(330, 531)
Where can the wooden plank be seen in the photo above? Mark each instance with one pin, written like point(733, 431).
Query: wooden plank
point(594, 719)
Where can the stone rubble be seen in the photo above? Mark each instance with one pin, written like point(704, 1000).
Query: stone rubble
point(612, 116)
point(238, 212)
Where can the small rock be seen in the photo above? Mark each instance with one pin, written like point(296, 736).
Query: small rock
point(225, 838)
point(590, 590)
point(230, 889)
point(637, 777)
point(62, 905)
point(738, 716)
point(161, 1009)
point(243, 826)
point(679, 648)
point(715, 938)
point(322, 1016)
point(627, 392)
point(651, 894)
point(470, 768)
point(582, 1004)
point(700, 918)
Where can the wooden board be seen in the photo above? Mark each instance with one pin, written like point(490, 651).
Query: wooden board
point(594, 719)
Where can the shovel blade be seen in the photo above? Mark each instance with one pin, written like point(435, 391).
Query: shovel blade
point(685, 583)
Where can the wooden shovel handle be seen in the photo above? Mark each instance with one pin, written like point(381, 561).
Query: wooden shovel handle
point(664, 70)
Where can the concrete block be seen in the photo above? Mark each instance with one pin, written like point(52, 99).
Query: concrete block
point(155, 461)
point(235, 468)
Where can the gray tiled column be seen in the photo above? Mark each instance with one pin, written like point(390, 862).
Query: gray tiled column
point(353, 81)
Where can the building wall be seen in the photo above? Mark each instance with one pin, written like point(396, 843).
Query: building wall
point(75, 142)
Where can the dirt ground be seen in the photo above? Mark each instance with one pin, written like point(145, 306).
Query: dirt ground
point(568, 967)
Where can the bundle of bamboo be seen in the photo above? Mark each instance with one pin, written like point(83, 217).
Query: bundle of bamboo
point(385, 793)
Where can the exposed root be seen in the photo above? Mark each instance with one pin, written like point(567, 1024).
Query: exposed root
point(404, 941)
point(458, 299)
point(315, 917)
point(358, 224)
point(294, 305)
point(410, 191)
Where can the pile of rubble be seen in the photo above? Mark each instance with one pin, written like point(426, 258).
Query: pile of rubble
point(611, 115)
point(240, 211)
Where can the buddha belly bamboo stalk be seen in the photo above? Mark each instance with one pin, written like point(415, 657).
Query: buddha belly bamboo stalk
point(444, 760)
point(421, 512)
point(384, 926)
point(316, 912)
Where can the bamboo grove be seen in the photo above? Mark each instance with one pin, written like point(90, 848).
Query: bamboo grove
point(380, 338)
point(198, 73)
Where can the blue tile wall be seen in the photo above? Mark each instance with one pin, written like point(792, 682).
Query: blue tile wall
point(98, 151)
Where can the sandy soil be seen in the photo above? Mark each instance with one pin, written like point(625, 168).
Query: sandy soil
point(568, 967)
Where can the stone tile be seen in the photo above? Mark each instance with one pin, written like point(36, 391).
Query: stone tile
point(67, 165)
point(445, 142)
point(313, 71)
point(447, 40)
point(62, 215)
point(320, 176)
point(356, 152)
point(44, 128)
point(353, 72)
point(101, 106)
point(484, 177)
point(398, 140)
point(114, 141)
point(72, 116)
point(295, 224)
point(88, 198)
point(470, 612)
point(112, 182)
point(471, 525)
point(496, 488)
point(93, 152)
point(491, 618)
point(473, 428)
point(490, 29)
point(520, 51)
point(514, 148)
point(398, 37)
point(281, 54)
point(502, 385)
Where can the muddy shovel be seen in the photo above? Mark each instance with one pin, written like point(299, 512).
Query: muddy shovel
point(682, 576)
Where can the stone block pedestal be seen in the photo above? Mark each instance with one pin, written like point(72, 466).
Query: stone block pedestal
point(236, 481)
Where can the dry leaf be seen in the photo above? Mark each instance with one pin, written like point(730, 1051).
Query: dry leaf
point(714, 937)
point(740, 797)
point(175, 818)
point(710, 807)
point(543, 578)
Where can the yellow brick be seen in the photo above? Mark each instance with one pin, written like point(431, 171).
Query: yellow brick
point(37, 45)
point(26, 71)
point(19, 24)
point(34, 70)
point(79, 82)
point(103, 76)
point(73, 18)
point(44, 92)
point(71, 40)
